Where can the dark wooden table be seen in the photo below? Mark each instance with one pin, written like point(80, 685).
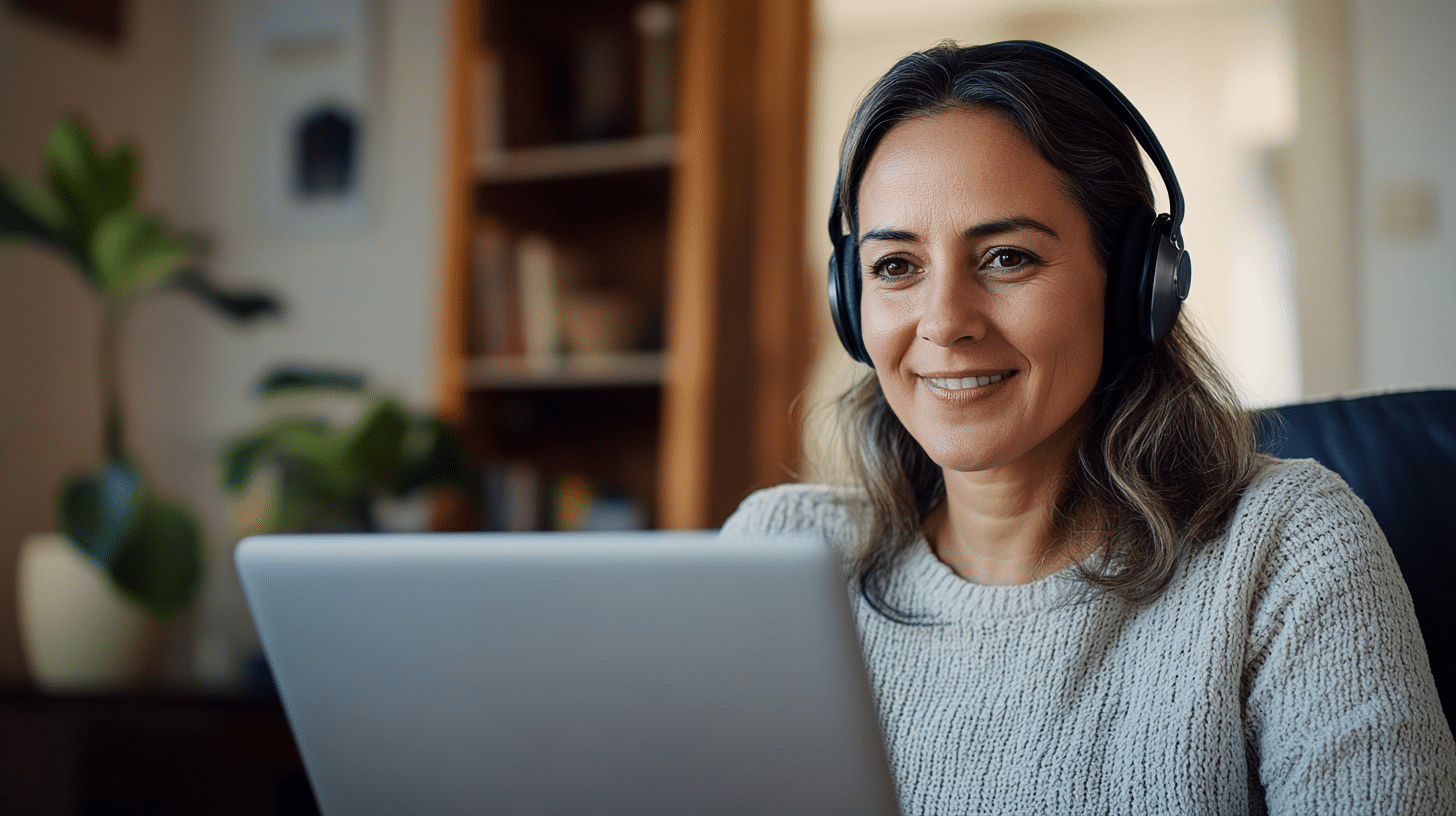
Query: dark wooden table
point(154, 753)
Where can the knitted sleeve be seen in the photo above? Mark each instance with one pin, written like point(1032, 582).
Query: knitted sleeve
point(1340, 704)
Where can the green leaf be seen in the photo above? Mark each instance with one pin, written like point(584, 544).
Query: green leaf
point(160, 563)
point(74, 170)
point(117, 176)
point(303, 441)
point(375, 448)
point(287, 380)
point(241, 307)
point(38, 205)
point(99, 510)
point(442, 461)
point(134, 252)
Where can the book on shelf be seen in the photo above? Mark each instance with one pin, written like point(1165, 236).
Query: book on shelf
point(521, 497)
point(496, 327)
point(539, 263)
point(516, 283)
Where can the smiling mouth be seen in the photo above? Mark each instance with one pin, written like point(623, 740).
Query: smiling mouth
point(962, 383)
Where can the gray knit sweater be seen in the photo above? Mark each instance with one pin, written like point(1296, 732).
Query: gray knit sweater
point(1282, 671)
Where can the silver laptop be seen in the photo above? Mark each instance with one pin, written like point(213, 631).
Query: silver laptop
point(561, 673)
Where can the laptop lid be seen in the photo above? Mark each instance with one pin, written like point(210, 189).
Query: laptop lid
point(543, 673)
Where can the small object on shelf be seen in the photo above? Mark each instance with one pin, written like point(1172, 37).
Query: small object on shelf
point(514, 497)
point(600, 99)
point(596, 321)
point(657, 29)
point(485, 98)
point(579, 505)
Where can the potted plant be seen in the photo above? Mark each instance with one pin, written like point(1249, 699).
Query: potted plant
point(85, 209)
point(329, 474)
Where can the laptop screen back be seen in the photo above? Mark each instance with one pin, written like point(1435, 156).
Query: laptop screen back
point(642, 673)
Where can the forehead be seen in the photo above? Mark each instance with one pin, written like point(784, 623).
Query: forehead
point(963, 163)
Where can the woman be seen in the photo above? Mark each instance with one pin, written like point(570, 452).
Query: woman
point(1080, 590)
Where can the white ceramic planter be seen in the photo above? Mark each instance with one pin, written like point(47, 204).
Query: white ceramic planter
point(78, 632)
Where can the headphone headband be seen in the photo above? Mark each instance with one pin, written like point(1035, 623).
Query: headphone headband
point(1109, 94)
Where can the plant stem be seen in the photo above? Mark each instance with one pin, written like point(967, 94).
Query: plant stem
point(110, 359)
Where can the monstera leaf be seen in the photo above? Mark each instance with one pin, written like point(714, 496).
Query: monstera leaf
point(151, 549)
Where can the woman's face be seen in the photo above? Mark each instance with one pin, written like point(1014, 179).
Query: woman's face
point(983, 297)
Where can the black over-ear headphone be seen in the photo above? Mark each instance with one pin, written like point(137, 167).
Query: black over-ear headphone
point(1148, 272)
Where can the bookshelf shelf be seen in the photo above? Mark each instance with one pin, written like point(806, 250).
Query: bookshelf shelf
point(575, 160)
point(627, 370)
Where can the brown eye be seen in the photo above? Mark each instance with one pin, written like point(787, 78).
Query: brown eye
point(893, 268)
point(1008, 259)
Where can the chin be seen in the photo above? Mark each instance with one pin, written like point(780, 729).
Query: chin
point(983, 450)
point(968, 453)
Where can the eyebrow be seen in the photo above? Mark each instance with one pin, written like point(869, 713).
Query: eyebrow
point(976, 232)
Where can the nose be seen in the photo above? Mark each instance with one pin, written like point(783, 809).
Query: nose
point(952, 308)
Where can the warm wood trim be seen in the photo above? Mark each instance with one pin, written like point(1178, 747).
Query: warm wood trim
point(782, 328)
point(737, 339)
point(453, 512)
point(684, 462)
point(456, 212)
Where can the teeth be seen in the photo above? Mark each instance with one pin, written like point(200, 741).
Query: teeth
point(958, 383)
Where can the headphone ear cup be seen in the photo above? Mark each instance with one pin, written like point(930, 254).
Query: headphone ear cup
point(844, 297)
point(1167, 274)
point(1147, 280)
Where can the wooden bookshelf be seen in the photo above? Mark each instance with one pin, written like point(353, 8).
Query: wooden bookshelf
point(613, 266)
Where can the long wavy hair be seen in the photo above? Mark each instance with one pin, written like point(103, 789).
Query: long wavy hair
point(1167, 451)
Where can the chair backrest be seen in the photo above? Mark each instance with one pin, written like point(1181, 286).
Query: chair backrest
point(1397, 451)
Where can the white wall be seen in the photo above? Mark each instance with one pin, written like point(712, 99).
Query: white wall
point(185, 86)
point(1405, 87)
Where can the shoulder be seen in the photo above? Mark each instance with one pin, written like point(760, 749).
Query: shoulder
point(1304, 547)
point(827, 510)
point(1282, 481)
point(1302, 506)
point(1298, 522)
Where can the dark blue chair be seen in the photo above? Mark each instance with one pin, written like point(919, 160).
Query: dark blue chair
point(1397, 451)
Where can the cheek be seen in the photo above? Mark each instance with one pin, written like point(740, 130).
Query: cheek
point(881, 327)
point(1070, 338)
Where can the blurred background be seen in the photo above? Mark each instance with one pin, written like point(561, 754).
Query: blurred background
point(589, 236)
